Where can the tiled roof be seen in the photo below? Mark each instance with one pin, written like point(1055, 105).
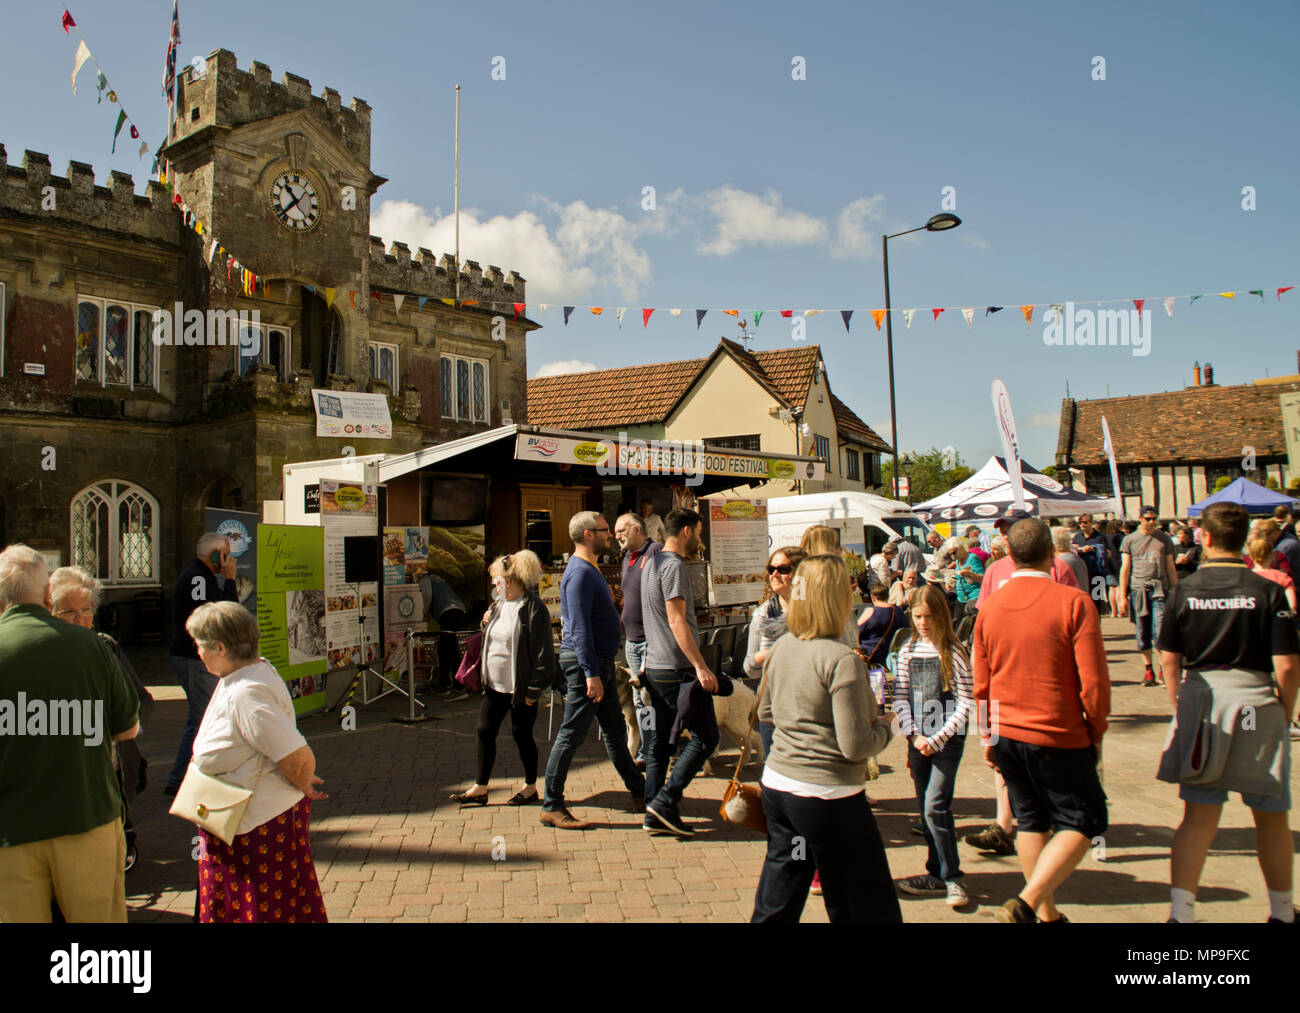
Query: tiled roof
point(610, 397)
point(847, 421)
point(636, 395)
point(1189, 425)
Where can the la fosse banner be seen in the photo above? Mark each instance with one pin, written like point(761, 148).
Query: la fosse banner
point(661, 457)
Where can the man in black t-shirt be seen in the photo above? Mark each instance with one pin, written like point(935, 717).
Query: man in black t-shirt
point(1229, 630)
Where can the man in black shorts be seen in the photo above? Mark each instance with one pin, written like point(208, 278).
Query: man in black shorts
point(1226, 631)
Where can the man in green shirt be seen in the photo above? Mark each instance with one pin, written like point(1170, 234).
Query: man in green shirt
point(64, 699)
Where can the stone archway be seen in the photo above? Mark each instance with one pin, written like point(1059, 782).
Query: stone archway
point(320, 340)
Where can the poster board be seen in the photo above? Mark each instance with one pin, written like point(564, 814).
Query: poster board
point(239, 528)
point(737, 549)
point(347, 413)
point(290, 580)
point(349, 509)
point(405, 554)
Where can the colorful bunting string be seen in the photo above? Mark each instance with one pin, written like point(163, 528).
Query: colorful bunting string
point(84, 56)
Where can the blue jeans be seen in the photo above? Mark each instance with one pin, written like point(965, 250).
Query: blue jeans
point(579, 710)
point(1147, 628)
point(199, 685)
point(663, 684)
point(634, 652)
point(935, 779)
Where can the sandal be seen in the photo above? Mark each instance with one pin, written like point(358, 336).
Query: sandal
point(465, 799)
point(521, 799)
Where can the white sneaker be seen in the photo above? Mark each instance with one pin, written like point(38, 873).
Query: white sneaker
point(957, 896)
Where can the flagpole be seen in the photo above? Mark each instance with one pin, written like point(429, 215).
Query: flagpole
point(456, 195)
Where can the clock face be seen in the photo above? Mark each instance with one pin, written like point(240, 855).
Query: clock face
point(295, 202)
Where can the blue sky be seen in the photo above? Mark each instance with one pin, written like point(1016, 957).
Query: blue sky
point(772, 193)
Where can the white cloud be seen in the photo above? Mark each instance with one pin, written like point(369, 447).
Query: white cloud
point(565, 366)
point(974, 241)
point(856, 228)
point(588, 249)
point(1043, 420)
point(747, 219)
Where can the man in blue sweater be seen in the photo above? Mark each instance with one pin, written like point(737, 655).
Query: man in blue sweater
point(591, 636)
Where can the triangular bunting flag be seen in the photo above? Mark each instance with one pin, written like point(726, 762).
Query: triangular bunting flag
point(397, 302)
point(567, 311)
point(619, 313)
point(597, 310)
point(907, 318)
point(732, 313)
point(352, 297)
point(1228, 295)
point(699, 317)
point(967, 312)
point(377, 297)
point(645, 317)
point(676, 313)
point(467, 302)
point(449, 302)
point(543, 309)
point(519, 308)
point(1259, 292)
point(936, 311)
point(121, 118)
point(68, 22)
point(101, 82)
point(1192, 298)
point(846, 315)
point(144, 149)
point(877, 315)
point(1139, 303)
point(83, 54)
point(1059, 309)
point(758, 316)
point(1284, 288)
point(813, 313)
point(420, 300)
point(1028, 311)
point(787, 313)
point(990, 310)
point(212, 253)
point(1169, 305)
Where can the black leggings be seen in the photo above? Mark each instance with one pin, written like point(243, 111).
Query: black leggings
point(491, 713)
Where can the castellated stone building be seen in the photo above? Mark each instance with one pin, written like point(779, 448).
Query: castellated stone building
point(112, 445)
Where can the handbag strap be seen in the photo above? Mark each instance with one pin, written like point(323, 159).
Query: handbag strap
point(888, 630)
point(753, 719)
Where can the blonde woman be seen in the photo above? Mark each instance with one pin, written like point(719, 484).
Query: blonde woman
point(827, 725)
point(249, 738)
point(820, 540)
point(518, 664)
point(1263, 555)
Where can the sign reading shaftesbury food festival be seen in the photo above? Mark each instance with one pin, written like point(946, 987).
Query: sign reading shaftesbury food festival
point(661, 457)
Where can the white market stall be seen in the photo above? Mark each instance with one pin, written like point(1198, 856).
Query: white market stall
point(987, 494)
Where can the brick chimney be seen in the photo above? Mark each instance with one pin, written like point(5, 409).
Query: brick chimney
point(1209, 375)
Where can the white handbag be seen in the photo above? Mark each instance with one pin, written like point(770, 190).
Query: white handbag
point(210, 803)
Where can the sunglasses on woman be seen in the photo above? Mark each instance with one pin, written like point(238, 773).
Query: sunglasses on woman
point(783, 569)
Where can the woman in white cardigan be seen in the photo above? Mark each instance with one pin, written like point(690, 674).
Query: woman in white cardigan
point(249, 738)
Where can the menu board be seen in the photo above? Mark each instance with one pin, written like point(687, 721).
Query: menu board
point(291, 609)
point(349, 509)
point(737, 549)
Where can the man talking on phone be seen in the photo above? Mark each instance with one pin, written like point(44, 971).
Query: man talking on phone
point(197, 585)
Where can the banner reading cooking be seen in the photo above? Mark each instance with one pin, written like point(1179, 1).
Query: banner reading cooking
point(662, 457)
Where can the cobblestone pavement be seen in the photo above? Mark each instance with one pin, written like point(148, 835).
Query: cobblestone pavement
point(389, 846)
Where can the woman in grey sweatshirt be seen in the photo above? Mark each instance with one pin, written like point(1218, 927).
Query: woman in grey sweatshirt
point(827, 725)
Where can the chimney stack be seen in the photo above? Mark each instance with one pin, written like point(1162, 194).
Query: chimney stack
point(1196, 373)
point(1209, 375)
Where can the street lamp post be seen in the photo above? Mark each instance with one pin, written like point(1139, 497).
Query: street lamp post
point(938, 223)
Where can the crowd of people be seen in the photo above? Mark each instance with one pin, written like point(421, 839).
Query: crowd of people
point(996, 636)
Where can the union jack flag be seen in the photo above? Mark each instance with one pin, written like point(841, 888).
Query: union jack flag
point(169, 67)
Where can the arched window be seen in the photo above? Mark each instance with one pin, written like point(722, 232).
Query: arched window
point(114, 533)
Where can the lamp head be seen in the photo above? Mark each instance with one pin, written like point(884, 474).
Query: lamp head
point(941, 222)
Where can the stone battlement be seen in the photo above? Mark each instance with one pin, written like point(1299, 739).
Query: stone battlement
point(226, 96)
point(424, 274)
point(78, 200)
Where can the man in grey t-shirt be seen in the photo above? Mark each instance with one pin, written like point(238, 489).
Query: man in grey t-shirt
point(1147, 574)
point(672, 659)
point(909, 556)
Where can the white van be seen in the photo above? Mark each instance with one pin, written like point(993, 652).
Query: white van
point(865, 522)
